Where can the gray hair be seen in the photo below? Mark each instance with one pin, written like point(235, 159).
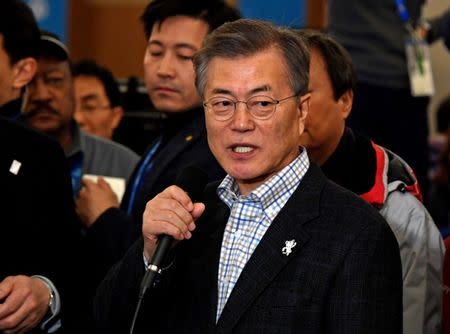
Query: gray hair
point(246, 37)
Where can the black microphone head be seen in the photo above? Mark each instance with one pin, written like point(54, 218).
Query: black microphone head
point(192, 180)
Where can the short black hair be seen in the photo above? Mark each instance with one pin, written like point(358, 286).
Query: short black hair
point(213, 12)
point(19, 30)
point(89, 67)
point(338, 61)
point(443, 115)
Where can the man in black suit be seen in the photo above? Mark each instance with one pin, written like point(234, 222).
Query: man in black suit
point(175, 30)
point(38, 223)
point(275, 247)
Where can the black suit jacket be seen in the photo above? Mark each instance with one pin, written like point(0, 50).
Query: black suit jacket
point(343, 276)
point(115, 231)
point(39, 229)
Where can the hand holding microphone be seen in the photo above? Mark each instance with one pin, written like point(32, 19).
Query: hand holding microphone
point(171, 215)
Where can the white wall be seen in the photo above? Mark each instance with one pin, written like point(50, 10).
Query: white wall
point(440, 61)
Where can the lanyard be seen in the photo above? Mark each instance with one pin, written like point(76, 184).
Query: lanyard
point(403, 13)
point(402, 10)
point(144, 169)
point(75, 173)
point(405, 18)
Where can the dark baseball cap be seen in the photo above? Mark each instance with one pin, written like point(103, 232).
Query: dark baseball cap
point(51, 45)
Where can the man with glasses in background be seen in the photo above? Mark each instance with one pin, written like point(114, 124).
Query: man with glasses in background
point(98, 110)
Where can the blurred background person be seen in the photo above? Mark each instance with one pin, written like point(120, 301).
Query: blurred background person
point(38, 225)
point(377, 175)
point(438, 140)
point(386, 106)
point(50, 108)
point(98, 109)
point(439, 171)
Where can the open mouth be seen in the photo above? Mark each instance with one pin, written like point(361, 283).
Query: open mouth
point(242, 149)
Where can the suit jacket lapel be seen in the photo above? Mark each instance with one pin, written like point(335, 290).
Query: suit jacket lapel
point(186, 137)
point(207, 254)
point(268, 259)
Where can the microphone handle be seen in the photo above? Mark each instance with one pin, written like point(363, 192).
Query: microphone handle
point(154, 266)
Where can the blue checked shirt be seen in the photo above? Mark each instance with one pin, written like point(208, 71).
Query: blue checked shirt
point(249, 220)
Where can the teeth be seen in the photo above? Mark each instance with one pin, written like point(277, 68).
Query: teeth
point(242, 149)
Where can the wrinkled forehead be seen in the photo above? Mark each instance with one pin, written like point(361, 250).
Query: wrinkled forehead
point(89, 86)
point(265, 69)
point(179, 31)
point(52, 64)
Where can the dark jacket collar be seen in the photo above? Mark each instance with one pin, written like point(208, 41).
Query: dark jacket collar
point(12, 109)
point(174, 122)
point(353, 164)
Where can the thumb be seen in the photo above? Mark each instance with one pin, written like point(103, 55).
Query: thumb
point(103, 183)
point(198, 210)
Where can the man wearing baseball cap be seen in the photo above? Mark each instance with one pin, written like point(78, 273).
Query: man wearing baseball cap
point(50, 109)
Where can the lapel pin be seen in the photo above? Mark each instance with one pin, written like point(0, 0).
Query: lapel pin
point(188, 138)
point(287, 249)
point(15, 167)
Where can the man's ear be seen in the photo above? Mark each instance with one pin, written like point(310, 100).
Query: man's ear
point(346, 103)
point(23, 72)
point(117, 116)
point(303, 108)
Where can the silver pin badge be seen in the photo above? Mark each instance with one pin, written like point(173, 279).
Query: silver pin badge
point(289, 244)
point(15, 167)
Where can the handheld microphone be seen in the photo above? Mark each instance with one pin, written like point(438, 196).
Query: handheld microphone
point(192, 180)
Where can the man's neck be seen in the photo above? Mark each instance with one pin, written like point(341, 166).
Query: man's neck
point(65, 140)
point(321, 155)
point(63, 137)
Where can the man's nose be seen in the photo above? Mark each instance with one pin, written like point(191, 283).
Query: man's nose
point(39, 90)
point(79, 116)
point(242, 120)
point(166, 66)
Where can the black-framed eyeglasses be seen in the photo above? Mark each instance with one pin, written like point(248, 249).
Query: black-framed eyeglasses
point(259, 106)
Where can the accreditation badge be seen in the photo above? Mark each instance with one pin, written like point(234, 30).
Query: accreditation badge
point(419, 67)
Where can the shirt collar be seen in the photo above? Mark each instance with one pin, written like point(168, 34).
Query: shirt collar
point(75, 148)
point(273, 193)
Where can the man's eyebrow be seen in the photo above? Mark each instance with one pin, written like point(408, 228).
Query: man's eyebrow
point(221, 91)
point(263, 88)
point(185, 46)
point(89, 97)
point(177, 45)
point(53, 70)
point(155, 42)
point(260, 89)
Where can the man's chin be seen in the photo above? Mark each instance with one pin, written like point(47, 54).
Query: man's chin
point(44, 125)
point(170, 106)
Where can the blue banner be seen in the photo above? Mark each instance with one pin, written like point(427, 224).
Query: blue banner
point(288, 13)
point(51, 15)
